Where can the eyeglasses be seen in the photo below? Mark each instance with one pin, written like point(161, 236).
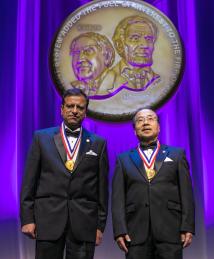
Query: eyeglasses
point(149, 119)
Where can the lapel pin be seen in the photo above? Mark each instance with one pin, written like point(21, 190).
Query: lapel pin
point(87, 140)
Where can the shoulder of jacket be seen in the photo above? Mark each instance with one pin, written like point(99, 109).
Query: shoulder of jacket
point(173, 148)
point(47, 131)
point(126, 153)
point(94, 137)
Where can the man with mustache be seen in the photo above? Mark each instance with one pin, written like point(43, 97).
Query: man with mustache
point(134, 40)
point(64, 193)
point(92, 54)
point(152, 197)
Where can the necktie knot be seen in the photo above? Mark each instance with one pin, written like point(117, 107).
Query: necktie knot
point(151, 145)
point(71, 133)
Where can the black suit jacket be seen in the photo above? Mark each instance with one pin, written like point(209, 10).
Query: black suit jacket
point(51, 195)
point(166, 201)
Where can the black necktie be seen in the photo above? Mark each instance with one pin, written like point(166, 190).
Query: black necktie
point(70, 133)
point(151, 145)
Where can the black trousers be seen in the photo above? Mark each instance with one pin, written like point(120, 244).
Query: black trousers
point(74, 249)
point(154, 249)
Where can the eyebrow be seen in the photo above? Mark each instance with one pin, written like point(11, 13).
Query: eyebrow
point(144, 116)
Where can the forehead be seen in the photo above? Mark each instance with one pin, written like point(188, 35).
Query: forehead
point(138, 27)
point(84, 42)
point(145, 113)
point(79, 99)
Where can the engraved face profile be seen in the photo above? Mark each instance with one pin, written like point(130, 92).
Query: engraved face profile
point(91, 55)
point(134, 39)
point(136, 44)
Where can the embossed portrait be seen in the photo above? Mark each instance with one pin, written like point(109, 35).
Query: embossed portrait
point(134, 40)
point(123, 54)
point(91, 56)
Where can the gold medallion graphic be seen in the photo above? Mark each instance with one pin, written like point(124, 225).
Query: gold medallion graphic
point(123, 54)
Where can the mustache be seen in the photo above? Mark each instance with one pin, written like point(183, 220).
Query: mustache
point(141, 49)
point(84, 63)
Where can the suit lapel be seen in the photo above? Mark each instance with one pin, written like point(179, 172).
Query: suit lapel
point(84, 147)
point(160, 158)
point(59, 146)
point(158, 162)
point(138, 162)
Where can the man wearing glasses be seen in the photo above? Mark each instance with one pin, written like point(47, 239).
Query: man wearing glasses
point(152, 197)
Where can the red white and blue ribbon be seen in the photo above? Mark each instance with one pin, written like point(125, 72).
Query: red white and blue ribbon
point(69, 151)
point(149, 162)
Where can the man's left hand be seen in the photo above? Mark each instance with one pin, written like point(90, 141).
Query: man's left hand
point(99, 237)
point(186, 239)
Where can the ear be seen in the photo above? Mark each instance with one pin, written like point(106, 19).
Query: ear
point(120, 46)
point(107, 58)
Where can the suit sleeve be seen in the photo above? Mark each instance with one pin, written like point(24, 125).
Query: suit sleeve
point(118, 201)
point(103, 188)
point(186, 193)
point(30, 179)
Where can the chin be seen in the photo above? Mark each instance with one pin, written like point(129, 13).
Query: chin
point(73, 123)
point(146, 138)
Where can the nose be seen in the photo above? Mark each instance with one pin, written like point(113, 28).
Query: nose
point(82, 55)
point(143, 42)
point(74, 110)
point(146, 121)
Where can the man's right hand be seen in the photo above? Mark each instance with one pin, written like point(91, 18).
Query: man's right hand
point(122, 242)
point(29, 230)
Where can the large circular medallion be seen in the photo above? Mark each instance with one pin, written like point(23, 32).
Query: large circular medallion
point(123, 54)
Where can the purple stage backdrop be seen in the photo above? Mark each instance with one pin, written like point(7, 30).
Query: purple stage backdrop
point(29, 101)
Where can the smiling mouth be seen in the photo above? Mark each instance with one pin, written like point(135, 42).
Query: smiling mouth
point(83, 65)
point(82, 68)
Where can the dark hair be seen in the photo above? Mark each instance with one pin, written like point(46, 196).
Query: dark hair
point(143, 108)
point(74, 92)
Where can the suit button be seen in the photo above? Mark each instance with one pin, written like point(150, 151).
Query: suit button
point(146, 204)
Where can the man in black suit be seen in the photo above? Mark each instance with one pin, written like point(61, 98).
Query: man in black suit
point(65, 188)
point(152, 198)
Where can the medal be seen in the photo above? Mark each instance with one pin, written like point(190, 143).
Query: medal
point(69, 164)
point(150, 173)
point(149, 163)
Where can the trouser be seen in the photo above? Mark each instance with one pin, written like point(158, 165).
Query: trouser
point(154, 249)
point(74, 249)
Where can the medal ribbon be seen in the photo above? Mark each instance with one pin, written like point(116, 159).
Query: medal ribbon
point(69, 151)
point(149, 162)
